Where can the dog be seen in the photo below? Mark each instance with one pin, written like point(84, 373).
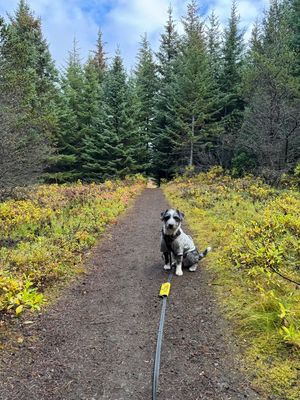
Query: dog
point(175, 241)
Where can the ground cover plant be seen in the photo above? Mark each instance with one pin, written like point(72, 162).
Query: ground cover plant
point(45, 233)
point(254, 230)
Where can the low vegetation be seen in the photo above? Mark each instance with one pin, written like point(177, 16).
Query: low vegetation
point(45, 233)
point(255, 231)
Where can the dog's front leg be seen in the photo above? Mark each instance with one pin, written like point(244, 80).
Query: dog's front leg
point(167, 258)
point(179, 265)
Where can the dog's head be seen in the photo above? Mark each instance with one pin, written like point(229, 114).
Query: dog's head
point(171, 221)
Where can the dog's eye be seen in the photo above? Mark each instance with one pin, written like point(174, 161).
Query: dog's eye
point(177, 219)
point(166, 218)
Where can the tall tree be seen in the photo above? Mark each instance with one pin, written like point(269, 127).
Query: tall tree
point(272, 119)
point(98, 59)
point(164, 123)
point(28, 89)
point(233, 104)
point(214, 45)
point(294, 21)
point(193, 95)
point(66, 163)
point(146, 84)
point(119, 130)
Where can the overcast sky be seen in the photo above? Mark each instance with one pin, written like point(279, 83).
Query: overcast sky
point(121, 21)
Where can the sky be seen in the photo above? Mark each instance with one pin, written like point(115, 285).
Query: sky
point(122, 22)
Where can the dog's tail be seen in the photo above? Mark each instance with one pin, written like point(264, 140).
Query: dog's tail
point(204, 253)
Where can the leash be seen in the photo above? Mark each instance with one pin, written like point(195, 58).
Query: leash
point(164, 293)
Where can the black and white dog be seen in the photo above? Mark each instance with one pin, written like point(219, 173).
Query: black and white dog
point(175, 241)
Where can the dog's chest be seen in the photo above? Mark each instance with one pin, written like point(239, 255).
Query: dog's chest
point(182, 244)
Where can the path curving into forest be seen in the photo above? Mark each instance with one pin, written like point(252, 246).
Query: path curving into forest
point(98, 341)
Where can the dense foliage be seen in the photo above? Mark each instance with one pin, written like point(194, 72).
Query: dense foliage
point(45, 233)
point(255, 234)
point(206, 98)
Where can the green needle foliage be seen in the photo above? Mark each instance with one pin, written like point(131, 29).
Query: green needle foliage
point(207, 97)
point(28, 94)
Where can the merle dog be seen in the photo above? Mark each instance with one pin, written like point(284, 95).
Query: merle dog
point(175, 241)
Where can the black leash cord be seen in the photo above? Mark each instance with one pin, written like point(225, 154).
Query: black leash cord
point(159, 343)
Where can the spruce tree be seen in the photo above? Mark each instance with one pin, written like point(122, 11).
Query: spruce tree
point(214, 46)
point(28, 87)
point(119, 129)
point(294, 22)
point(92, 116)
point(66, 165)
point(193, 95)
point(98, 59)
point(233, 104)
point(164, 122)
point(146, 84)
point(91, 123)
point(271, 127)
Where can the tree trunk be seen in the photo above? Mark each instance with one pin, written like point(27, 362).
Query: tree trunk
point(191, 161)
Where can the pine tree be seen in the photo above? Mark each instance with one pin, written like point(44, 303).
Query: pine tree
point(294, 21)
point(92, 117)
point(193, 95)
point(271, 127)
point(28, 86)
point(66, 165)
point(119, 129)
point(164, 122)
point(98, 60)
point(233, 104)
point(91, 123)
point(214, 46)
point(146, 84)
point(169, 46)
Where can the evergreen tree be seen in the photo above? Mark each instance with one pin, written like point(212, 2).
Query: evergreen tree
point(214, 46)
point(192, 96)
point(91, 124)
point(233, 104)
point(271, 127)
point(164, 122)
point(294, 22)
point(169, 46)
point(197, 92)
point(98, 60)
point(146, 85)
point(92, 117)
point(28, 87)
point(119, 129)
point(66, 164)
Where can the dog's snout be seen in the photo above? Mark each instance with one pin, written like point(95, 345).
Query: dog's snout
point(170, 226)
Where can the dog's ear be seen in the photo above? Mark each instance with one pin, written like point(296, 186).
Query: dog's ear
point(181, 214)
point(162, 214)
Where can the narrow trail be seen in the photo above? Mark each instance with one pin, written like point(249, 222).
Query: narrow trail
point(97, 342)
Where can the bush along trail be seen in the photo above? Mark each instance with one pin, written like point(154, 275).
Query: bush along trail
point(97, 341)
point(255, 232)
point(45, 234)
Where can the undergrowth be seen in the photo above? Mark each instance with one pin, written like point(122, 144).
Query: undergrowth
point(254, 230)
point(44, 235)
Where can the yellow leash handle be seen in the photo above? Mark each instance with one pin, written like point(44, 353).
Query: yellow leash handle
point(165, 289)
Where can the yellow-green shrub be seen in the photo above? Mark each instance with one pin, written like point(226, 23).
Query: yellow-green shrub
point(45, 235)
point(255, 233)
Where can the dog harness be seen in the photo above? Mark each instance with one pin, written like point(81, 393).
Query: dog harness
point(169, 239)
point(179, 244)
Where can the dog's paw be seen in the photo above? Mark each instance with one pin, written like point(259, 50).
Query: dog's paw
point(193, 268)
point(179, 272)
point(167, 267)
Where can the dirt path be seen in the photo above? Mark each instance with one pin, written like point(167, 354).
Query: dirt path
point(97, 342)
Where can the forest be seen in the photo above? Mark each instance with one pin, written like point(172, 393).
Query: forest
point(212, 117)
point(207, 97)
